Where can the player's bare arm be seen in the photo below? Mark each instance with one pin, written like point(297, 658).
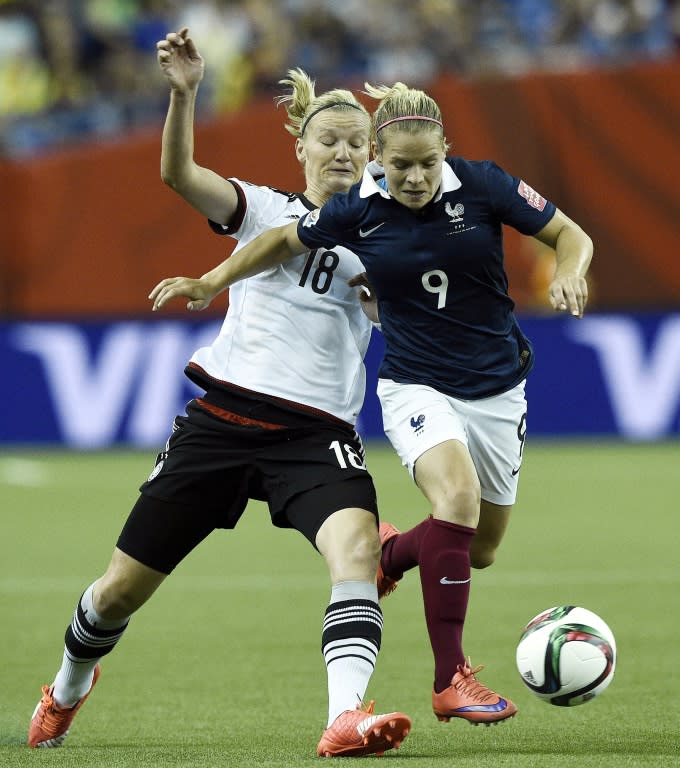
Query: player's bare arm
point(269, 249)
point(573, 252)
point(208, 192)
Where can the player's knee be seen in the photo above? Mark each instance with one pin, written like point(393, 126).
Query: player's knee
point(459, 506)
point(361, 549)
point(354, 557)
point(368, 546)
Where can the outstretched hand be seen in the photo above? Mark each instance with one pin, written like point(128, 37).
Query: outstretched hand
point(569, 294)
point(368, 297)
point(180, 61)
point(196, 289)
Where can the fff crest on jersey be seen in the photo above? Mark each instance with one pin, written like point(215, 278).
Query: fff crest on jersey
point(456, 212)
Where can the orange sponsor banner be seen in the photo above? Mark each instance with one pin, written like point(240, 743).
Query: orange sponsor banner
point(90, 231)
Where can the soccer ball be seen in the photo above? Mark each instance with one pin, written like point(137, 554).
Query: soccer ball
point(566, 655)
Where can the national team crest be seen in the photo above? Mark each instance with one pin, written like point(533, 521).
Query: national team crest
point(455, 212)
point(418, 422)
point(157, 469)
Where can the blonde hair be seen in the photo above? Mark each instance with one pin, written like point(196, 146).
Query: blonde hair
point(404, 109)
point(302, 103)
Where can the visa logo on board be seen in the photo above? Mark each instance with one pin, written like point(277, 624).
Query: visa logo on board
point(643, 384)
point(123, 382)
point(129, 387)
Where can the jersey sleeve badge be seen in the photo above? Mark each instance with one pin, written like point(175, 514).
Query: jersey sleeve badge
point(531, 196)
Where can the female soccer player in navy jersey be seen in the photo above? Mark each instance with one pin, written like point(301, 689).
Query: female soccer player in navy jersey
point(428, 230)
point(276, 421)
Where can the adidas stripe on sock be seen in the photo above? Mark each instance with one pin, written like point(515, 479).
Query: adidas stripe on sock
point(352, 631)
point(88, 638)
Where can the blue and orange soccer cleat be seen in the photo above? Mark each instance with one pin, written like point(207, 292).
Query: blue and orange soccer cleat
point(50, 723)
point(386, 585)
point(359, 732)
point(466, 697)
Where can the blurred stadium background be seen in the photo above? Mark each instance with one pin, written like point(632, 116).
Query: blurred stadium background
point(581, 98)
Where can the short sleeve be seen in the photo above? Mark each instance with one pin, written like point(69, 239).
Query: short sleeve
point(517, 203)
point(329, 225)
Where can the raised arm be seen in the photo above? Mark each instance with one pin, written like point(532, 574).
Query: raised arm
point(208, 192)
point(267, 250)
point(573, 252)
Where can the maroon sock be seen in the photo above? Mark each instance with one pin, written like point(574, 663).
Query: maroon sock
point(444, 559)
point(403, 551)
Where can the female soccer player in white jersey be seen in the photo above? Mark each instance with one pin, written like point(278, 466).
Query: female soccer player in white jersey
point(428, 230)
point(284, 382)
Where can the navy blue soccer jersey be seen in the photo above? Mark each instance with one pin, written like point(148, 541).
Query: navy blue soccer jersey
point(442, 288)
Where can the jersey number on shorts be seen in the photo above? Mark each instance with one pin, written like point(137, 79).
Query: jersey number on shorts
point(522, 433)
point(436, 281)
point(323, 274)
point(345, 454)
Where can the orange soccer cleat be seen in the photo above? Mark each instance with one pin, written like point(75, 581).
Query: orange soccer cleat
point(466, 697)
point(50, 723)
point(359, 732)
point(386, 585)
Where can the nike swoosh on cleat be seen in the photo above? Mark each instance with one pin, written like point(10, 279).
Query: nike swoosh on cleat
point(444, 580)
point(367, 724)
point(370, 231)
point(499, 706)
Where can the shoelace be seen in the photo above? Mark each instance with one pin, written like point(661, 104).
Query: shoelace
point(50, 717)
point(470, 686)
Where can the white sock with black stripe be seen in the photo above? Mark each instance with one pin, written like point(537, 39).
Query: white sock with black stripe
point(88, 638)
point(352, 631)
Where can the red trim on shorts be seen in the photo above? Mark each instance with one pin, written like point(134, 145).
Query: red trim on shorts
point(202, 377)
point(235, 418)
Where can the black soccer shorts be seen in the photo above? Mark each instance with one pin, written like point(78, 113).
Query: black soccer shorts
point(230, 448)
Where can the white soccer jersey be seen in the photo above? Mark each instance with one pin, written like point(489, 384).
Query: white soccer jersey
point(296, 331)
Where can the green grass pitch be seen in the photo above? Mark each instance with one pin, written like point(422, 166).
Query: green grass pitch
point(223, 666)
